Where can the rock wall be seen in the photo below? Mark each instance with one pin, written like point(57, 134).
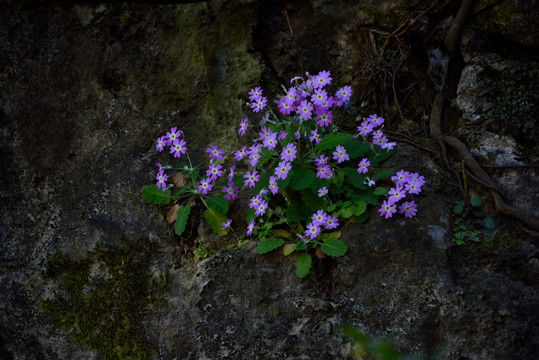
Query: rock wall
point(87, 87)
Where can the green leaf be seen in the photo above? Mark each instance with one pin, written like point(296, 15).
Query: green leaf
point(297, 211)
point(380, 155)
point(334, 139)
point(181, 219)
point(303, 265)
point(268, 245)
point(311, 201)
point(489, 223)
point(300, 246)
point(475, 201)
point(359, 208)
point(152, 194)
point(215, 220)
point(263, 182)
point(380, 191)
point(218, 203)
point(356, 149)
point(334, 247)
point(458, 209)
point(384, 174)
point(355, 178)
point(181, 192)
point(302, 179)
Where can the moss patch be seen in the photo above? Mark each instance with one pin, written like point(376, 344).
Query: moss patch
point(103, 306)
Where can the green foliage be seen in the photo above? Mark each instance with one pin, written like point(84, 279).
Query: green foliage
point(469, 224)
point(215, 220)
point(181, 219)
point(334, 247)
point(154, 195)
point(303, 265)
point(218, 204)
point(268, 245)
point(202, 253)
point(105, 310)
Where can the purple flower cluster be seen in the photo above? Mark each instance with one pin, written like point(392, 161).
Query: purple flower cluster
point(405, 183)
point(320, 221)
point(368, 128)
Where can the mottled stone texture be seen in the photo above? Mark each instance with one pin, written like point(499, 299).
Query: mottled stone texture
point(86, 88)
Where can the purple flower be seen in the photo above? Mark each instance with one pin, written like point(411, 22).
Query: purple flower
point(312, 230)
point(161, 179)
point(401, 177)
point(255, 200)
point(375, 120)
point(387, 145)
point(323, 119)
point(288, 153)
point(322, 79)
point(321, 160)
point(297, 135)
point(261, 208)
point(319, 218)
point(281, 171)
point(161, 142)
point(271, 142)
point(231, 191)
point(259, 104)
point(415, 178)
point(226, 224)
point(344, 93)
point(322, 191)
point(304, 110)
point(243, 127)
point(178, 148)
point(214, 171)
point(319, 96)
point(172, 135)
point(365, 128)
point(251, 178)
point(315, 136)
point(215, 153)
point(240, 154)
point(205, 186)
point(388, 209)
point(332, 222)
point(255, 94)
point(290, 96)
point(232, 172)
point(412, 188)
point(273, 185)
point(282, 135)
point(363, 166)
point(377, 134)
point(409, 208)
point(324, 172)
point(340, 154)
point(285, 107)
point(250, 228)
point(396, 193)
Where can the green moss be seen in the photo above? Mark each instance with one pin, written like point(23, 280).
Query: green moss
point(104, 310)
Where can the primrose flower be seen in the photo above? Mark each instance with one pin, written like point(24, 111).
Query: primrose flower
point(241, 153)
point(282, 135)
point(321, 160)
point(340, 154)
point(255, 94)
point(261, 208)
point(319, 218)
point(412, 188)
point(388, 145)
point(408, 208)
point(251, 178)
point(288, 153)
point(243, 127)
point(231, 191)
point(322, 191)
point(401, 177)
point(319, 96)
point(161, 179)
point(363, 166)
point(215, 153)
point(250, 228)
point(214, 171)
point(322, 79)
point(172, 135)
point(273, 185)
point(205, 186)
point(326, 105)
point(305, 110)
point(271, 142)
point(332, 222)
point(312, 230)
point(365, 128)
point(290, 96)
point(284, 106)
point(259, 104)
point(226, 224)
point(388, 209)
point(255, 201)
point(396, 193)
point(323, 119)
point(178, 148)
point(324, 172)
point(281, 171)
point(161, 142)
point(232, 172)
point(375, 120)
point(315, 136)
point(415, 178)
point(344, 93)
